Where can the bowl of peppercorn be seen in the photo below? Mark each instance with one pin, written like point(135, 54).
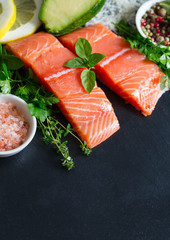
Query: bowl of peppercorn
point(153, 21)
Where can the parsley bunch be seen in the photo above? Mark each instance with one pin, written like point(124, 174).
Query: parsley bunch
point(156, 53)
point(15, 79)
point(85, 60)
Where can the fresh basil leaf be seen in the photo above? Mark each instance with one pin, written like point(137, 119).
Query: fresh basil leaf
point(75, 63)
point(94, 59)
point(38, 112)
point(88, 78)
point(5, 86)
point(86, 60)
point(83, 48)
point(12, 62)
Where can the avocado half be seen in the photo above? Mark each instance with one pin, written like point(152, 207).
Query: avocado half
point(62, 17)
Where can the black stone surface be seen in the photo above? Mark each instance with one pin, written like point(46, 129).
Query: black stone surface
point(120, 192)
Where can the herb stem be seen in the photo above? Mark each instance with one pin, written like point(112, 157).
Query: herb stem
point(71, 133)
point(123, 28)
point(67, 161)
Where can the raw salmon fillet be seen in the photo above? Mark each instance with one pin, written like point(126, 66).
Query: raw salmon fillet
point(124, 70)
point(91, 115)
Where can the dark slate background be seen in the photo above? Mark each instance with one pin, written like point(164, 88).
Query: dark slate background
point(120, 192)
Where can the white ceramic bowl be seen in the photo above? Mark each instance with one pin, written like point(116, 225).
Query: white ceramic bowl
point(141, 11)
point(23, 107)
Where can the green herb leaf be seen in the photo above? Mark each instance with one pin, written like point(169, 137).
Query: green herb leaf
point(68, 130)
point(83, 48)
point(23, 91)
point(163, 59)
point(163, 85)
point(87, 60)
point(38, 112)
point(163, 82)
point(76, 63)
point(168, 82)
point(85, 148)
point(163, 78)
point(2, 76)
point(4, 67)
point(94, 59)
point(168, 62)
point(49, 100)
point(5, 86)
point(88, 80)
point(12, 62)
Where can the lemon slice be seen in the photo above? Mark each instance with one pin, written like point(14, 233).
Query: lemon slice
point(7, 16)
point(27, 20)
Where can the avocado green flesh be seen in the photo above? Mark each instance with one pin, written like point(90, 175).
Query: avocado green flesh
point(61, 17)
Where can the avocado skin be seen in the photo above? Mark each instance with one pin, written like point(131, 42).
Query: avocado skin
point(79, 22)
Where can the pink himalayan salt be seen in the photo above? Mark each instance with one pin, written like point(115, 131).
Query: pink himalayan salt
point(13, 127)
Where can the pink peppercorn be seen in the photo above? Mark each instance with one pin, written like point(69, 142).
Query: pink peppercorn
point(160, 19)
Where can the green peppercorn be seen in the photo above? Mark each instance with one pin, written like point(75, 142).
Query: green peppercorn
point(160, 39)
point(162, 12)
point(148, 26)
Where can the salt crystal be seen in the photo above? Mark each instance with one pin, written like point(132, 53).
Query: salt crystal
point(13, 127)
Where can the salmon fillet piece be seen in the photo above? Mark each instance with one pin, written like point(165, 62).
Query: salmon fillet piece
point(124, 70)
point(91, 115)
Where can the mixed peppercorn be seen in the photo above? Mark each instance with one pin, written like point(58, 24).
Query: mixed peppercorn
point(156, 25)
